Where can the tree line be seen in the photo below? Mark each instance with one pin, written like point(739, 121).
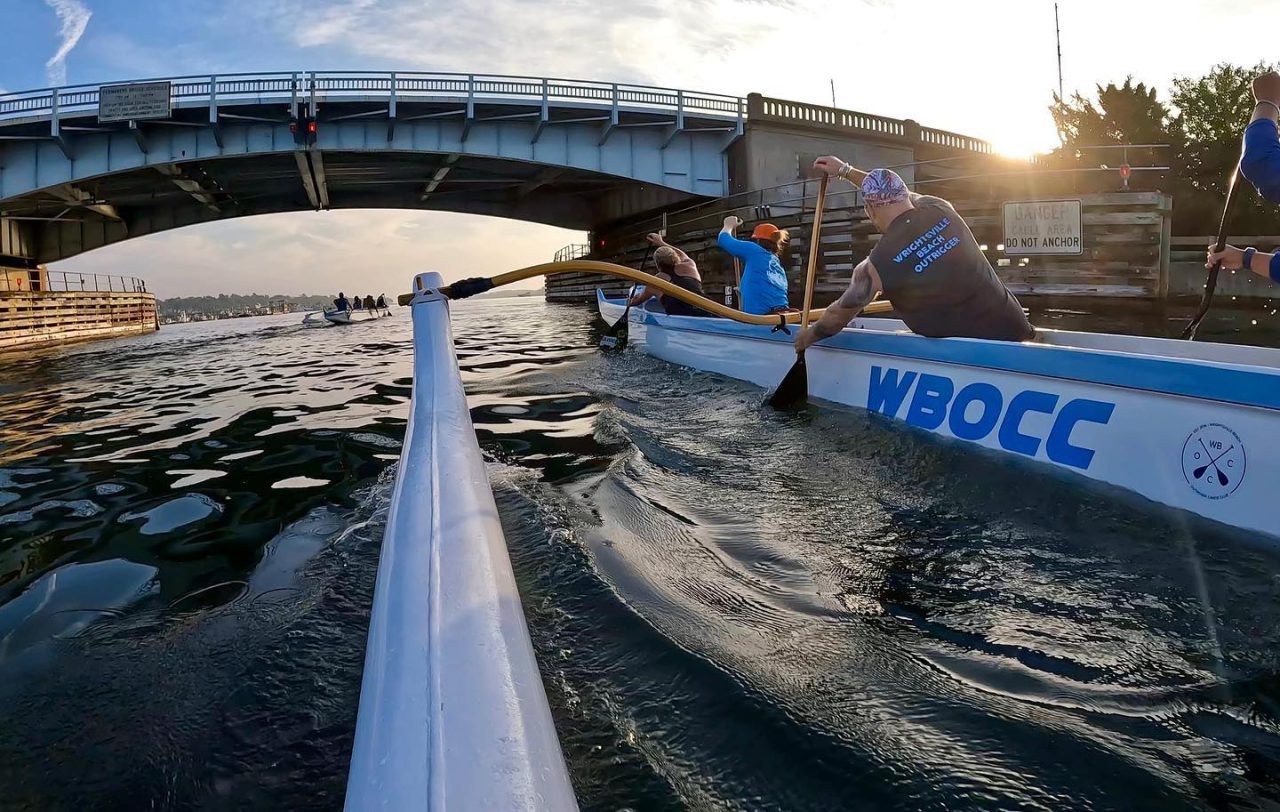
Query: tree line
point(236, 302)
point(1201, 120)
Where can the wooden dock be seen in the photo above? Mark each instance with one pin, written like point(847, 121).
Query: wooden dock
point(30, 319)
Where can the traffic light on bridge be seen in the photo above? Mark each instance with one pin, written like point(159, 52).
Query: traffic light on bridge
point(304, 130)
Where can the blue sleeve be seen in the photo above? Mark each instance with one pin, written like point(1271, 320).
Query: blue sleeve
point(1261, 162)
point(735, 247)
point(1275, 267)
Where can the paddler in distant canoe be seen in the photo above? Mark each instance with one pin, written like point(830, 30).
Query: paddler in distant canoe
point(928, 264)
point(677, 267)
point(1260, 165)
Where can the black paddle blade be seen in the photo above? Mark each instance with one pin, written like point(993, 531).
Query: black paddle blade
point(793, 392)
point(616, 337)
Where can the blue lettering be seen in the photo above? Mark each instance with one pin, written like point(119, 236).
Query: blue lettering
point(1059, 447)
point(887, 391)
point(992, 402)
point(929, 405)
point(932, 404)
point(1011, 436)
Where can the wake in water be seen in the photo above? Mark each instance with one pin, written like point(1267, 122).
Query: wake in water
point(825, 610)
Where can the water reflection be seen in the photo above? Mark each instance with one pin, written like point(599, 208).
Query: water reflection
point(731, 608)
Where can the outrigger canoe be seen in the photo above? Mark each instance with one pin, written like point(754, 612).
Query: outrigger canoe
point(351, 316)
point(1195, 426)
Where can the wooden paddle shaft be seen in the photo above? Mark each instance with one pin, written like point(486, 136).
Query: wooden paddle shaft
point(815, 238)
point(623, 272)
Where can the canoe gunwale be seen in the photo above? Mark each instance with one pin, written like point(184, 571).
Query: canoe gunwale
point(1230, 383)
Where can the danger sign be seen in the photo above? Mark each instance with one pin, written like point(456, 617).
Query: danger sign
point(1043, 227)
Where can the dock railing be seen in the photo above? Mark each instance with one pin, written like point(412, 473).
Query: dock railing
point(21, 281)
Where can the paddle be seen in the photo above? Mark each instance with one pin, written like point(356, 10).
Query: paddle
point(794, 389)
point(737, 282)
point(1189, 332)
point(616, 337)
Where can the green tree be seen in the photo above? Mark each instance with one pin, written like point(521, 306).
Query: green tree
point(1121, 115)
point(1212, 112)
point(1124, 114)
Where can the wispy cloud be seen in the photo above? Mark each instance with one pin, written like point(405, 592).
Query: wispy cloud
point(74, 18)
point(610, 40)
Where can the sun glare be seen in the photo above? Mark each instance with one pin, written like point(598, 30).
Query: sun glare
point(1023, 139)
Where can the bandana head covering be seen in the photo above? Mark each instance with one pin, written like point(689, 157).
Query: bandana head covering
point(883, 186)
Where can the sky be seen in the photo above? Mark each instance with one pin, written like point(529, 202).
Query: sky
point(985, 68)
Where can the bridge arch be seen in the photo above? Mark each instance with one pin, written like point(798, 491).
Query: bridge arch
point(562, 152)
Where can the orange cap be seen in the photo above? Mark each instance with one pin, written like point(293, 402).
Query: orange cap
point(765, 231)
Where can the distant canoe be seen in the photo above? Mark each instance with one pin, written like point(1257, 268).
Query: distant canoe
point(1192, 425)
point(354, 316)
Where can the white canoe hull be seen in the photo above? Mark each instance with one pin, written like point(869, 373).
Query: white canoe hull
point(1191, 433)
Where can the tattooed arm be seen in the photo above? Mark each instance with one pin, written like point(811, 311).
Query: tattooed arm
point(863, 288)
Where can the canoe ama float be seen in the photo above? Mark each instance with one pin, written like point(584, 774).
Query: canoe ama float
point(1195, 426)
point(453, 714)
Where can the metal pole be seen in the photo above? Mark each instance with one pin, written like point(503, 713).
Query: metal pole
point(1057, 31)
point(833, 92)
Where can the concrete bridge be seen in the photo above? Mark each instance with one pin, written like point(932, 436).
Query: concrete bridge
point(87, 166)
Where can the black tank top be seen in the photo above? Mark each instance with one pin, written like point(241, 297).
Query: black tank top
point(940, 282)
point(676, 307)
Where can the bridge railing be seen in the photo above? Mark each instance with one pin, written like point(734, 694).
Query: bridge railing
point(905, 131)
point(256, 88)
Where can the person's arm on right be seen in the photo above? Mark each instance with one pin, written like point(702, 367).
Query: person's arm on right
point(1260, 163)
point(1232, 258)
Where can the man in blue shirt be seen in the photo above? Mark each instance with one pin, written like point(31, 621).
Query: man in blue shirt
point(1260, 165)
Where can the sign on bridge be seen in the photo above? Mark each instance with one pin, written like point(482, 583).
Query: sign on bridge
point(1043, 227)
point(135, 102)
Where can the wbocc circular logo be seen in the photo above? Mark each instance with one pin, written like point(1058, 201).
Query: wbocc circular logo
point(1213, 461)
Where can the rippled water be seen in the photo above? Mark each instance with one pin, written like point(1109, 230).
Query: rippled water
point(732, 608)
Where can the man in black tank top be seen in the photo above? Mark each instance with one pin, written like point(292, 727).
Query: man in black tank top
point(927, 263)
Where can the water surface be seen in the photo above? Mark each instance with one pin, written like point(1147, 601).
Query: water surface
point(732, 609)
